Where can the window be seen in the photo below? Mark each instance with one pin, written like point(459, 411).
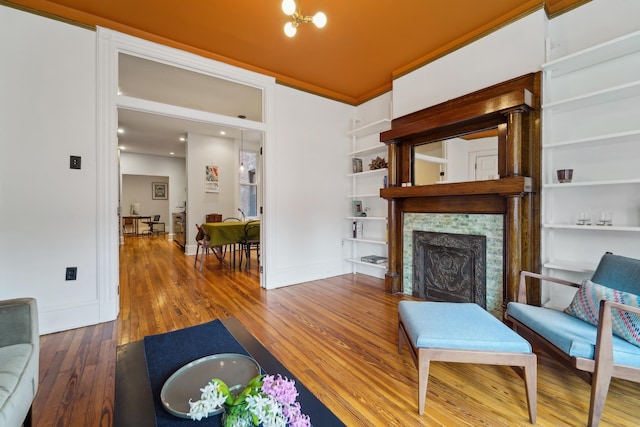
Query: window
point(249, 184)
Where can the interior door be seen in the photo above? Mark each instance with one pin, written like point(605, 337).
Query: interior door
point(484, 165)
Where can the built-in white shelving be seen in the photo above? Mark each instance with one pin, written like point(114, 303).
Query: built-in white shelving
point(382, 266)
point(371, 128)
point(590, 110)
point(368, 233)
point(382, 171)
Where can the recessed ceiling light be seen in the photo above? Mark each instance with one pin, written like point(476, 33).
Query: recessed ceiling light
point(172, 153)
point(222, 132)
point(120, 130)
point(121, 147)
point(183, 139)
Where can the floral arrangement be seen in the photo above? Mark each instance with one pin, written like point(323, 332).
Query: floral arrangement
point(266, 401)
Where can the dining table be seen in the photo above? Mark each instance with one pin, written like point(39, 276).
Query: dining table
point(229, 233)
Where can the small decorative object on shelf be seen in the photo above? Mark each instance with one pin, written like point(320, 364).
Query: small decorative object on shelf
point(266, 401)
point(357, 165)
point(378, 163)
point(606, 218)
point(374, 259)
point(584, 218)
point(565, 175)
point(357, 229)
point(357, 208)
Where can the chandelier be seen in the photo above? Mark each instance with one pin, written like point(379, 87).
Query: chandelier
point(290, 8)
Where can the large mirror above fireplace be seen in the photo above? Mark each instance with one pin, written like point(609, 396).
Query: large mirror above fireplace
point(472, 157)
point(509, 111)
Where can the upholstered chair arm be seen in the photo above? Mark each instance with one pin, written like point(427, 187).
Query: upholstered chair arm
point(522, 286)
point(19, 320)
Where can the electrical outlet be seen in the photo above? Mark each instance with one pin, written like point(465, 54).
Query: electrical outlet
point(72, 273)
point(75, 162)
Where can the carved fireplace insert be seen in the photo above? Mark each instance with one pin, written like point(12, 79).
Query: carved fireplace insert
point(511, 109)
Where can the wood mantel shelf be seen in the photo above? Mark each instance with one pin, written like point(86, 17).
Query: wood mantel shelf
point(510, 186)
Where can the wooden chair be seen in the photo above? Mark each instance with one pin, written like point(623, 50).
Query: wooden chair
point(251, 240)
point(592, 352)
point(202, 240)
point(128, 223)
point(231, 247)
point(154, 222)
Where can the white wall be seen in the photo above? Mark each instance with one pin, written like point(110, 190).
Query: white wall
point(149, 165)
point(203, 150)
point(596, 22)
point(309, 189)
point(507, 53)
point(48, 211)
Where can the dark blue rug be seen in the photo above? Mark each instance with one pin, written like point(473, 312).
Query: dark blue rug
point(166, 353)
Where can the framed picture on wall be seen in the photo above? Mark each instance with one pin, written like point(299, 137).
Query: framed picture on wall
point(159, 191)
point(212, 179)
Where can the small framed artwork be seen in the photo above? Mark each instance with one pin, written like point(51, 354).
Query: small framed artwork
point(357, 165)
point(212, 179)
point(357, 208)
point(159, 191)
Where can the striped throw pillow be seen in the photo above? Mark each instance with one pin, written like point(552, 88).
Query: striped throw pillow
point(586, 306)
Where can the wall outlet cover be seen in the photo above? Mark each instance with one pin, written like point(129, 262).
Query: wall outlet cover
point(75, 162)
point(71, 273)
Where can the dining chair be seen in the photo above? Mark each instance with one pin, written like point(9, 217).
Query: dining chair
point(250, 240)
point(154, 222)
point(232, 246)
point(202, 240)
point(127, 224)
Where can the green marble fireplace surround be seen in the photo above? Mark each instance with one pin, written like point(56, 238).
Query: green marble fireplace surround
point(490, 226)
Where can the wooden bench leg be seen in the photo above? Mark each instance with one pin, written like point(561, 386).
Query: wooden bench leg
point(531, 386)
point(424, 362)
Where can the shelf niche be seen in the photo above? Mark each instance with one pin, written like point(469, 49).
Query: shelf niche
point(511, 107)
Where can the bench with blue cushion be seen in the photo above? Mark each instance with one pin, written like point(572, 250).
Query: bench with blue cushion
point(593, 351)
point(463, 333)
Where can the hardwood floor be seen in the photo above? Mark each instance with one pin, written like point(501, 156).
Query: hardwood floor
point(338, 336)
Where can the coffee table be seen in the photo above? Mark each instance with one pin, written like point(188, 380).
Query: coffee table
point(133, 406)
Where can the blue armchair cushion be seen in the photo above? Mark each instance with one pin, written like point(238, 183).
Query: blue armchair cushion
point(586, 306)
point(618, 272)
point(571, 335)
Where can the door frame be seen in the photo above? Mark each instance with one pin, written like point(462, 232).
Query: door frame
point(109, 44)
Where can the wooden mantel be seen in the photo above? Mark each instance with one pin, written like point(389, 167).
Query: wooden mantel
point(513, 108)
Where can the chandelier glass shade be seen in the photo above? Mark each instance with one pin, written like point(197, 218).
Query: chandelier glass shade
point(290, 8)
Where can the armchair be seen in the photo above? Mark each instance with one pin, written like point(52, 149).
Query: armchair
point(19, 358)
point(590, 348)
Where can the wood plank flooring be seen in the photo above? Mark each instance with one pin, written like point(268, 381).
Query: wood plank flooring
point(338, 336)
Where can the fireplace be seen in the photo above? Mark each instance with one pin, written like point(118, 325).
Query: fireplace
point(512, 108)
point(449, 267)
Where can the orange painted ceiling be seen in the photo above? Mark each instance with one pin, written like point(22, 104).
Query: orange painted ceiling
point(364, 45)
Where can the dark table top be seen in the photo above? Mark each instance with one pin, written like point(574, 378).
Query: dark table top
point(134, 402)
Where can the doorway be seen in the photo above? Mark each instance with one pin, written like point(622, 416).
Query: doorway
point(115, 97)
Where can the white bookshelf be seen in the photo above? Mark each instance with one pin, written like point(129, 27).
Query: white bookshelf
point(365, 187)
point(590, 110)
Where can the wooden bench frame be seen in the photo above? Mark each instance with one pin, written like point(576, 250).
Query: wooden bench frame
point(597, 371)
point(422, 357)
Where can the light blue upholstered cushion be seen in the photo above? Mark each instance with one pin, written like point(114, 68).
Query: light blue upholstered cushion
point(458, 326)
point(618, 272)
point(573, 336)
